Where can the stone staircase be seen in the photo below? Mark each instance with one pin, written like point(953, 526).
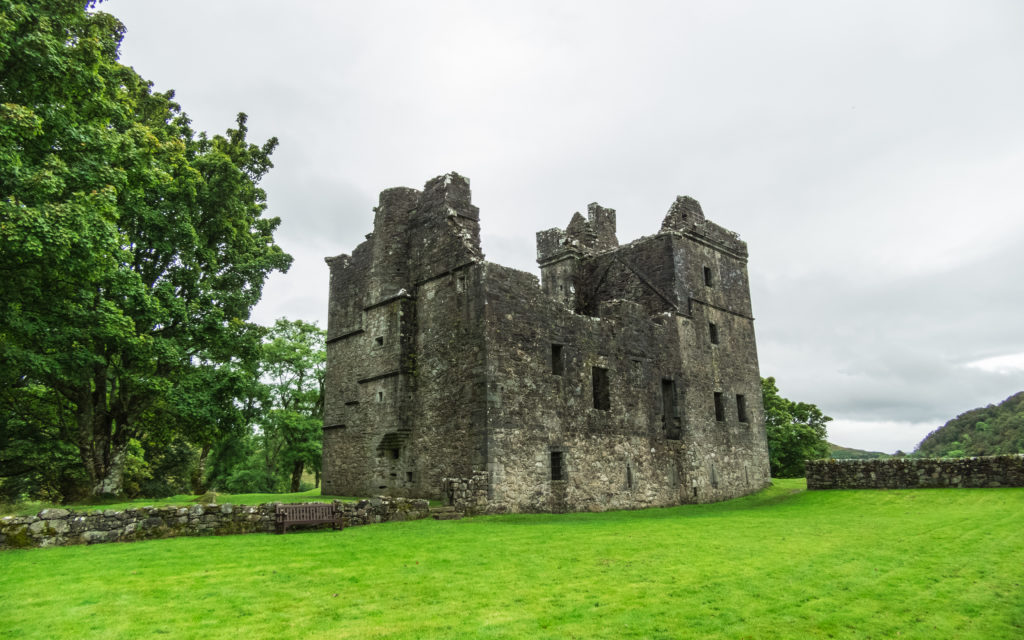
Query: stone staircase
point(447, 512)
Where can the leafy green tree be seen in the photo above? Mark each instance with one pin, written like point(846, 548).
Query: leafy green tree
point(131, 249)
point(283, 437)
point(796, 432)
point(293, 368)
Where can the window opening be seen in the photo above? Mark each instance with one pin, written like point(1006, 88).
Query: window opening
point(557, 466)
point(713, 332)
point(408, 476)
point(629, 476)
point(380, 396)
point(380, 341)
point(670, 409)
point(602, 395)
point(719, 407)
point(395, 453)
point(741, 407)
point(707, 277)
point(557, 362)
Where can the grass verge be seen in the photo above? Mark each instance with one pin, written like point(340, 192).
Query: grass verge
point(785, 563)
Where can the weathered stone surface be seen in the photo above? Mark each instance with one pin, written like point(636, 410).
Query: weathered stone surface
point(139, 524)
point(917, 473)
point(595, 388)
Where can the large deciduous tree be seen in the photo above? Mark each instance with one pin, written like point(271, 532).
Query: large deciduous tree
point(796, 432)
point(131, 248)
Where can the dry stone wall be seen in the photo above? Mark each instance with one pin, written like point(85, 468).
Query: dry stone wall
point(917, 473)
point(60, 527)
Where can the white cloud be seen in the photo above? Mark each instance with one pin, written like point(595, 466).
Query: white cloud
point(1006, 364)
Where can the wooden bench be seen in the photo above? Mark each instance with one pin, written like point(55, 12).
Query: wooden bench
point(307, 513)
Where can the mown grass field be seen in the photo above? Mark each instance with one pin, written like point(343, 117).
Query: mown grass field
point(785, 563)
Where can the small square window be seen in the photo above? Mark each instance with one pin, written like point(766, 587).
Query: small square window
point(713, 332)
point(707, 277)
point(395, 453)
point(380, 341)
point(557, 465)
point(557, 361)
point(719, 407)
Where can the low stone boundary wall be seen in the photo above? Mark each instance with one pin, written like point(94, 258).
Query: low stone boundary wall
point(917, 473)
point(59, 527)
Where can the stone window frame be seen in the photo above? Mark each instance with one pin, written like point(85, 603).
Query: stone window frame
point(708, 280)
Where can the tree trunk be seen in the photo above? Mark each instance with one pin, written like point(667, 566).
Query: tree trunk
point(297, 475)
point(111, 482)
point(199, 476)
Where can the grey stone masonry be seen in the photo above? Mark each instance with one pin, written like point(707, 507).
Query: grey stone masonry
point(917, 473)
point(60, 527)
point(625, 377)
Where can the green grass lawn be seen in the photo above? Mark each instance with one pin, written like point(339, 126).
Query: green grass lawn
point(313, 495)
point(785, 563)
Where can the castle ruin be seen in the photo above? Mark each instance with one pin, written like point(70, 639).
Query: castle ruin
point(626, 378)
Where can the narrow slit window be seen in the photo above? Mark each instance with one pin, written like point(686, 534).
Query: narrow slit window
point(669, 408)
point(713, 332)
point(719, 407)
point(380, 396)
point(741, 407)
point(602, 394)
point(707, 277)
point(557, 361)
point(557, 465)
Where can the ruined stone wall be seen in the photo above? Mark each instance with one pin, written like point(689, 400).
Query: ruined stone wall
point(917, 473)
point(61, 527)
point(632, 454)
point(451, 378)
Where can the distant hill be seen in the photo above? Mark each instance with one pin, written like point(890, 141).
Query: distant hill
point(846, 453)
point(988, 431)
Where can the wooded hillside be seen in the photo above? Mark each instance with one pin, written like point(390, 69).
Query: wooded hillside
point(987, 431)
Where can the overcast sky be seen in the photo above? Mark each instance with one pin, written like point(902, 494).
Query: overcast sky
point(871, 154)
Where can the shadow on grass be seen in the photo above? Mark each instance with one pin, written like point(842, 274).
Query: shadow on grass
point(782, 491)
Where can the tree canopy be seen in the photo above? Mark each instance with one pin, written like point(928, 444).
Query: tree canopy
point(132, 250)
point(796, 432)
